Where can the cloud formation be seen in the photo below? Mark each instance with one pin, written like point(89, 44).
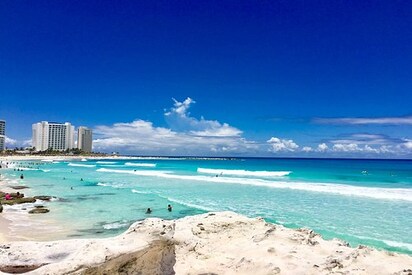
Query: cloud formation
point(186, 136)
point(179, 119)
point(407, 120)
point(282, 145)
point(10, 141)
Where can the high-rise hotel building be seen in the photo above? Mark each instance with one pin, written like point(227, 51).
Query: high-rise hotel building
point(2, 135)
point(84, 139)
point(52, 135)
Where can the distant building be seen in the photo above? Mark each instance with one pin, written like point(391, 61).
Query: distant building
point(2, 135)
point(52, 135)
point(84, 139)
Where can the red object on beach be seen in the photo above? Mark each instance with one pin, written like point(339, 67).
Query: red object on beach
point(7, 197)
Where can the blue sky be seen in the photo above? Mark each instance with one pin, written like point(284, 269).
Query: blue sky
point(237, 78)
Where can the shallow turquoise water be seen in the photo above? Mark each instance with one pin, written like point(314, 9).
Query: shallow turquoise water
point(361, 201)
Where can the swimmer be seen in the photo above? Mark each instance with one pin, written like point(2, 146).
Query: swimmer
point(148, 211)
point(169, 208)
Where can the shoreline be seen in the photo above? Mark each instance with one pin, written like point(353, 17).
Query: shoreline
point(215, 242)
point(251, 245)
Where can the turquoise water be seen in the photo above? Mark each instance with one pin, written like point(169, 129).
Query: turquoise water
point(361, 201)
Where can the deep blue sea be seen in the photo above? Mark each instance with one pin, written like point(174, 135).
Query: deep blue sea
point(360, 201)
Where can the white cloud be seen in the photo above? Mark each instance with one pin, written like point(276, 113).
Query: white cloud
point(407, 144)
point(27, 142)
point(407, 120)
point(188, 136)
point(307, 149)
point(278, 144)
point(10, 141)
point(356, 148)
point(179, 119)
point(322, 147)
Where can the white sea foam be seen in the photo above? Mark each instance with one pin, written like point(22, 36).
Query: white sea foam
point(45, 170)
point(338, 189)
point(140, 164)
point(188, 204)
point(83, 159)
point(28, 169)
point(388, 242)
point(103, 184)
point(399, 244)
point(106, 162)
point(141, 192)
point(115, 225)
point(136, 172)
point(243, 172)
point(81, 165)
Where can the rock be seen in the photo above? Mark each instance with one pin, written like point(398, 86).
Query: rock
point(19, 268)
point(43, 198)
point(39, 211)
point(18, 201)
point(18, 187)
point(333, 263)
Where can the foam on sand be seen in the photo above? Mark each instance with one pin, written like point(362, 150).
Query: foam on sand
point(81, 165)
point(140, 164)
point(116, 225)
point(337, 189)
point(243, 172)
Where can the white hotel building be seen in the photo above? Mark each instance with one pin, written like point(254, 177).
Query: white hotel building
point(84, 139)
point(2, 135)
point(53, 135)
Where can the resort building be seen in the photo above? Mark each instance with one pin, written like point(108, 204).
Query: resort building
point(2, 135)
point(84, 139)
point(52, 135)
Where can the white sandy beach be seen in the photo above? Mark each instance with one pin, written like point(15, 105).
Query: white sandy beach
point(213, 243)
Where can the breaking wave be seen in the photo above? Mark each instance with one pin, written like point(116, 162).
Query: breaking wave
point(141, 192)
point(81, 165)
point(115, 225)
point(337, 189)
point(140, 164)
point(243, 172)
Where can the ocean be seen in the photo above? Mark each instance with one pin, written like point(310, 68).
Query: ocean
point(365, 202)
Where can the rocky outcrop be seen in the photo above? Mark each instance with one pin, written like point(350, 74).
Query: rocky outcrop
point(213, 243)
point(39, 210)
point(18, 201)
point(158, 258)
point(43, 198)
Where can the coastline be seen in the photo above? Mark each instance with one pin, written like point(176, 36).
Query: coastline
point(188, 245)
point(212, 243)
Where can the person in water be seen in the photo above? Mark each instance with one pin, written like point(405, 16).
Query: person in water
point(169, 208)
point(148, 211)
point(81, 179)
point(21, 176)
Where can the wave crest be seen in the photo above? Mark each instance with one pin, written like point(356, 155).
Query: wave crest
point(140, 164)
point(243, 172)
point(81, 165)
